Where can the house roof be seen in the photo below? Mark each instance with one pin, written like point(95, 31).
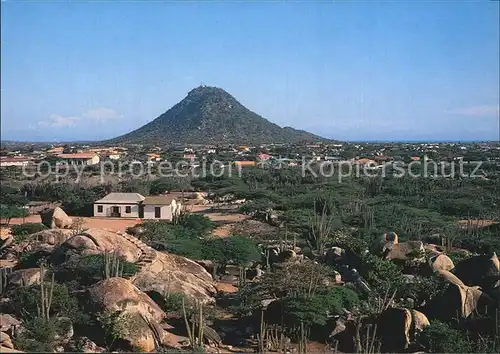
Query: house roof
point(14, 159)
point(365, 161)
point(158, 200)
point(124, 198)
point(77, 156)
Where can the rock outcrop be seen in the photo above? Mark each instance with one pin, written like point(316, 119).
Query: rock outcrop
point(176, 274)
point(25, 277)
point(56, 218)
point(482, 270)
point(440, 262)
point(158, 271)
point(411, 250)
point(458, 300)
point(140, 313)
point(386, 240)
point(398, 328)
point(95, 241)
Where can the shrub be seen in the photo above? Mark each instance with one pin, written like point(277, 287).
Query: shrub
point(38, 336)
point(22, 230)
point(196, 222)
point(441, 338)
point(27, 300)
point(173, 302)
point(90, 269)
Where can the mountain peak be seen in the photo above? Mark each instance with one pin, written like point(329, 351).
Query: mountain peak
point(204, 89)
point(211, 115)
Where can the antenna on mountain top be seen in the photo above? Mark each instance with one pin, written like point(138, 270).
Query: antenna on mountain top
point(202, 85)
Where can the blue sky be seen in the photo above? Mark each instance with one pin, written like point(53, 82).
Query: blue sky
point(419, 70)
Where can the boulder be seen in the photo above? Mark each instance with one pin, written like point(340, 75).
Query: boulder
point(449, 277)
point(95, 241)
point(398, 328)
point(5, 341)
point(136, 309)
point(25, 277)
point(440, 262)
point(482, 270)
point(177, 274)
point(44, 240)
point(6, 242)
point(56, 218)
point(8, 350)
point(8, 323)
point(119, 294)
point(458, 300)
point(388, 238)
point(411, 250)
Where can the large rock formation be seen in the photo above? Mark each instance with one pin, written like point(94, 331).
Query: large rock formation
point(386, 240)
point(176, 274)
point(440, 262)
point(140, 313)
point(159, 272)
point(25, 277)
point(458, 300)
point(56, 218)
point(411, 250)
point(95, 241)
point(482, 270)
point(398, 328)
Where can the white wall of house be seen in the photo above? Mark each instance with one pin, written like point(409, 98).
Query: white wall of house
point(165, 212)
point(13, 163)
point(107, 210)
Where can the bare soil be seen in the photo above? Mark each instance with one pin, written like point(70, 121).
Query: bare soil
point(118, 224)
point(476, 222)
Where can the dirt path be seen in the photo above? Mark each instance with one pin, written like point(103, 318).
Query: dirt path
point(224, 217)
point(98, 223)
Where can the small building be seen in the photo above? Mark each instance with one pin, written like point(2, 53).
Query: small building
point(244, 163)
point(80, 158)
point(119, 205)
point(153, 157)
point(365, 162)
point(189, 156)
point(6, 161)
point(163, 207)
point(264, 157)
point(56, 150)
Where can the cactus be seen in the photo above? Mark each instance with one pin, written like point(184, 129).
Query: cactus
point(195, 337)
point(46, 295)
point(268, 264)
point(4, 272)
point(113, 267)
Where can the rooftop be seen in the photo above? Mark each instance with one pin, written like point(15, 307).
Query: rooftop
point(158, 200)
point(77, 156)
point(125, 198)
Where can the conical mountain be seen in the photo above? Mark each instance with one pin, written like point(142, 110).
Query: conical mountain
point(210, 115)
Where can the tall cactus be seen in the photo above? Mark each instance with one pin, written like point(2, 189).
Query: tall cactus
point(46, 295)
point(113, 267)
point(195, 329)
point(4, 272)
